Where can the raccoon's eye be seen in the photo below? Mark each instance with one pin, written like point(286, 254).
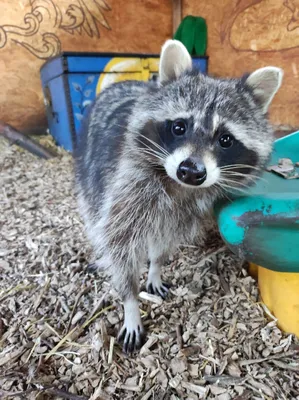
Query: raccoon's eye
point(178, 127)
point(226, 141)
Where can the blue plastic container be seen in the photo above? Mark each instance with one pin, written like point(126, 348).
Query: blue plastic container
point(71, 81)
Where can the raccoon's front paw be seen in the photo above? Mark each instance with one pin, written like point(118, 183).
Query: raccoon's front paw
point(156, 286)
point(131, 336)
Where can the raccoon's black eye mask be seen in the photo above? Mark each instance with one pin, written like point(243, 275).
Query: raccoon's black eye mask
point(229, 150)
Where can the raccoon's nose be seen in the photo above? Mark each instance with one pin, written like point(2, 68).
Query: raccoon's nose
point(191, 173)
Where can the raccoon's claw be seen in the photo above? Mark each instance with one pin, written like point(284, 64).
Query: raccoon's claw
point(131, 338)
point(160, 289)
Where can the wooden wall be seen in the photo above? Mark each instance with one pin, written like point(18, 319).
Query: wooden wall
point(33, 30)
point(242, 35)
point(248, 34)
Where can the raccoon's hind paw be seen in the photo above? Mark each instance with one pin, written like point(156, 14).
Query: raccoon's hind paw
point(132, 337)
point(158, 288)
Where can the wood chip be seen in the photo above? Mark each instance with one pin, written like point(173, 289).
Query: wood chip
point(151, 297)
point(128, 387)
point(260, 386)
point(179, 338)
point(111, 347)
point(284, 365)
point(148, 394)
point(246, 395)
point(11, 356)
point(201, 390)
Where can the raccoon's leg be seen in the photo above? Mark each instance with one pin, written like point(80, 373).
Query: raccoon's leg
point(132, 333)
point(157, 257)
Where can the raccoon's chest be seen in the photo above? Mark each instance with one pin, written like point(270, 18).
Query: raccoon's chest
point(178, 224)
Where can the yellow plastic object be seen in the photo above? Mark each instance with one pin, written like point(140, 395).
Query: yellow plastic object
point(280, 293)
point(253, 270)
point(121, 69)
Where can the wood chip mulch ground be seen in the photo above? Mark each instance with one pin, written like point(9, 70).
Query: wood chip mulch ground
point(211, 338)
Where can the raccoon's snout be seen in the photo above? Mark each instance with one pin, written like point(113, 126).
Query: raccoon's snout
point(191, 173)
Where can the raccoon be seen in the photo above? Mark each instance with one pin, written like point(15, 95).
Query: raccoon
point(152, 159)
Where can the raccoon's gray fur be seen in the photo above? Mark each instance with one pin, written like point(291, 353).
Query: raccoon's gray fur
point(153, 158)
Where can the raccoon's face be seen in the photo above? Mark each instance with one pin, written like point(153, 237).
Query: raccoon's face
point(204, 131)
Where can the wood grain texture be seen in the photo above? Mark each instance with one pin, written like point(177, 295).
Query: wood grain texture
point(32, 31)
point(176, 14)
point(244, 35)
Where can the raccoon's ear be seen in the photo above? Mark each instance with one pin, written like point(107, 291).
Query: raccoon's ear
point(174, 60)
point(264, 83)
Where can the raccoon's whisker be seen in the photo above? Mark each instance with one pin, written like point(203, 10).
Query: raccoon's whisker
point(234, 182)
point(241, 166)
point(238, 175)
point(243, 191)
point(150, 153)
point(162, 150)
point(225, 180)
point(234, 166)
point(154, 151)
point(226, 196)
point(228, 187)
point(155, 144)
point(155, 164)
point(152, 162)
point(148, 150)
point(231, 174)
point(222, 191)
point(151, 141)
point(228, 172)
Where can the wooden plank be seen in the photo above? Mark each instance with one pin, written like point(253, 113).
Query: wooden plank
point(176, 14)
